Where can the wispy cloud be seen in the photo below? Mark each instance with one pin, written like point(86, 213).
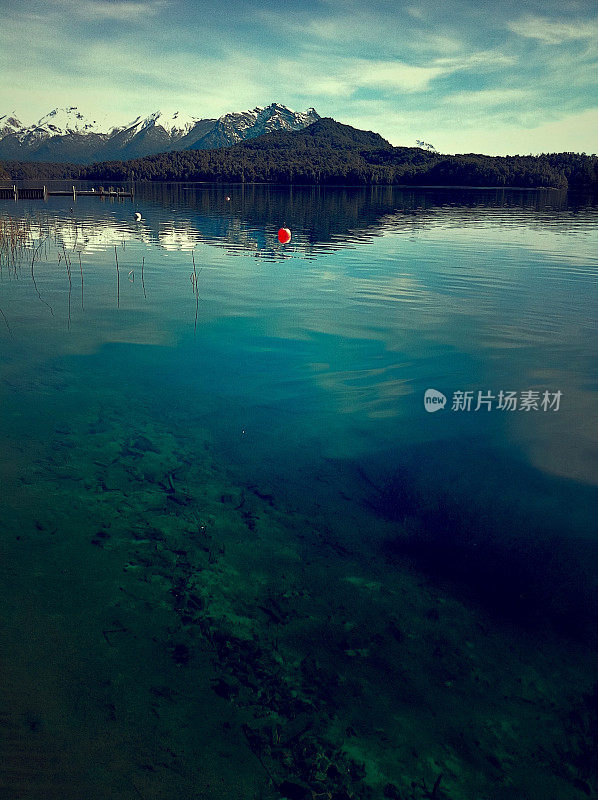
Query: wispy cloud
point(476, 60)
point(351, 75)
point(391, 75)
point(117, 10)
point(488, 98)
point(550, 31)
point(313, 77)
point(341, 29)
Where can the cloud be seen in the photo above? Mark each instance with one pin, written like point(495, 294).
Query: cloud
point(393, 75)
point(488, 98)
point(314, 77)
point(476, 60)
point(347, 76)
point(551, 31)
point(416, 12)
point(117, 10)
point(361, 31)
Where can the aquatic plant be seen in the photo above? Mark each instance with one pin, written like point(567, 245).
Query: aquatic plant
point(15, 239)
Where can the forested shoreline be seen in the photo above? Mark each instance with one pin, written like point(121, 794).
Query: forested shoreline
point(329, 153)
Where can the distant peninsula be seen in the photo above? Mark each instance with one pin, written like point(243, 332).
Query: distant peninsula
point(330, 153)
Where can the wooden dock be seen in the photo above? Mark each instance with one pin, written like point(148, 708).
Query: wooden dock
point(42, 192)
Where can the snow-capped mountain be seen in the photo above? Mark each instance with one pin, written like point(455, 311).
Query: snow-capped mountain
point(68, 135)
point(62, 121)
point(232, 128)
point(175, 123)
point(9, 124)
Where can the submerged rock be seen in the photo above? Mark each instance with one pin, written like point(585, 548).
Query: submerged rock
point(181, 654)
point(143, 444)
point(293, 791)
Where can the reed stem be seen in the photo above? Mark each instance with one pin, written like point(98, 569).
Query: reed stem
point(117, 279)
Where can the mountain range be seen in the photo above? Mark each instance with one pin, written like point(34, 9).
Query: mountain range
point(266, 145)
point(66, 135)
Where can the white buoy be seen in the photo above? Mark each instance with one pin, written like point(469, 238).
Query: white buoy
point(137, 216)
point(227, 197)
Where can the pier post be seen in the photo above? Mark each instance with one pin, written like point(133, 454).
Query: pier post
point(15, 193)
point(74, 194)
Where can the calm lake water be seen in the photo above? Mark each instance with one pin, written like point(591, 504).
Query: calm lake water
point(241, 558)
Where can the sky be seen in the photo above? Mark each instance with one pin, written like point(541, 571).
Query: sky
point(500, 77)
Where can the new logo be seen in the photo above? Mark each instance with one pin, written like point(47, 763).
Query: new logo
point(434, 400)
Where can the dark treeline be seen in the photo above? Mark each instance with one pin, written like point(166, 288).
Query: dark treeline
point(330, 153)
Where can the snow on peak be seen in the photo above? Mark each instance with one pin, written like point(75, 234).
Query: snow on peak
point(61, 121)
point(156, 132)
point(172, 122)
point(272, 110)
point(10, 123)
point(69, 120)
point(175, 121)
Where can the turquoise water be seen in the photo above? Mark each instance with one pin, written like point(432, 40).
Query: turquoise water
point(241, 558)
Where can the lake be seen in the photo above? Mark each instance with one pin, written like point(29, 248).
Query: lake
point(304, 520)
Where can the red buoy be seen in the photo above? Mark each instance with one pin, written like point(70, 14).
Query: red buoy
point(284, 235)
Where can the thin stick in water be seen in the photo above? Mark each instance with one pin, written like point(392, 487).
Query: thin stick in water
point(68, 272)
point(81, 268)
point(117, 279)
point(35, 250)
point(6, 322)
point(195, 289)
